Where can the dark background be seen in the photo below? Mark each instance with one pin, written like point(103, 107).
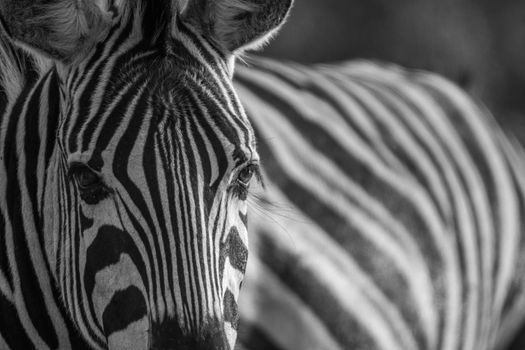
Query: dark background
point(478, 43)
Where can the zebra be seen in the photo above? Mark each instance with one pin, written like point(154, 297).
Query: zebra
point(393, 214)
point(125, 163)
point(56, 187)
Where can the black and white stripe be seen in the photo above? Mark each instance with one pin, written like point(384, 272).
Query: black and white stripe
point(125, 161)
point(393, 215)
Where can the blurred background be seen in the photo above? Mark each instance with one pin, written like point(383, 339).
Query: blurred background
point(480, 44)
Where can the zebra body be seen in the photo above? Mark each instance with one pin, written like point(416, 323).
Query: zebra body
point(125, 159)
point(393, 214)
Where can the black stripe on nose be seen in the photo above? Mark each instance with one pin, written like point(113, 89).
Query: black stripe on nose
point(106, 250)
point(244, 218)
point(236, 250)
point(126, 307)
point(231, 312)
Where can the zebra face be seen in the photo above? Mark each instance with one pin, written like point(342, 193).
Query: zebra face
point(157, 176)
point(158, 179)
point(144, 211)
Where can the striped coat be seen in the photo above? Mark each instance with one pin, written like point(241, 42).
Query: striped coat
point(125, 162)
point(393, 215)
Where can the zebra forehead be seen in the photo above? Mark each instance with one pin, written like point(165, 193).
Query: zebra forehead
point(208, 106)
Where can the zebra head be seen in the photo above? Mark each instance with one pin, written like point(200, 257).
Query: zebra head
point(144, 205)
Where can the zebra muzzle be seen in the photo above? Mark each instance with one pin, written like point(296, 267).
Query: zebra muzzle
point(169, 335)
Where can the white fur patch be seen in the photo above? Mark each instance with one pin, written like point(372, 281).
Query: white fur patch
point(112, 279)
point(134, 337)
point(231, 334)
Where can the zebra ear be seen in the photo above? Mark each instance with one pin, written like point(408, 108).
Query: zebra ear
point(238, 25)
point(59, 29)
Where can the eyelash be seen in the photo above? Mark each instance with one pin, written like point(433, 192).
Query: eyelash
point(241, 187)
point(95, 190)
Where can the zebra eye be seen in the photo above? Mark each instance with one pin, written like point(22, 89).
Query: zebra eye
point(87, 179)
point(92, 188)
point(242, 181)
point(246, 175)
